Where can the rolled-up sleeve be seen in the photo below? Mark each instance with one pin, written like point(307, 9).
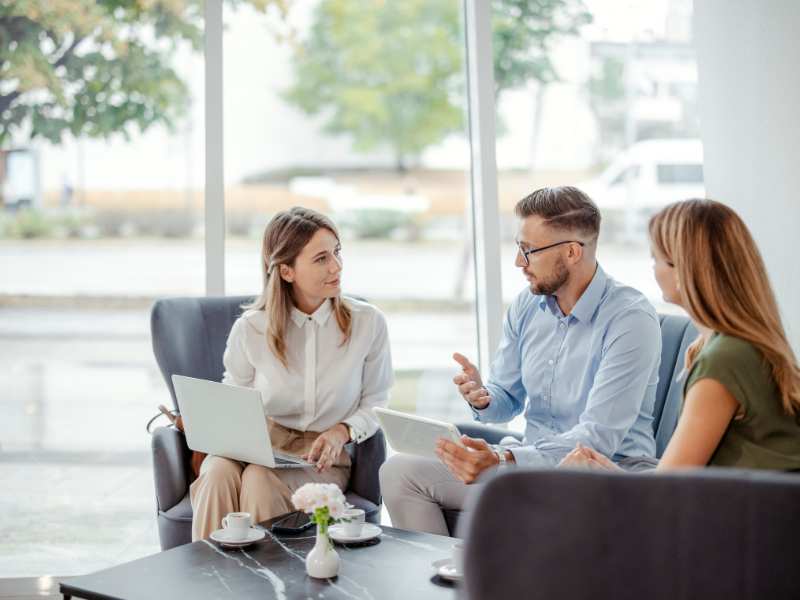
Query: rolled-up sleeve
point(627, 369)
point(376, 380)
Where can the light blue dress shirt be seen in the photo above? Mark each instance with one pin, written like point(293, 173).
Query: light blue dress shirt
point(588, 377)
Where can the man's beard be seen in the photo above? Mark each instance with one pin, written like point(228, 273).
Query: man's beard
point(549, 286)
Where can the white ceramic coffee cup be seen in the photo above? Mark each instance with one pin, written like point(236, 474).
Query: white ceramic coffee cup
point(458, 557)
point(353, 522)
point(236, 524)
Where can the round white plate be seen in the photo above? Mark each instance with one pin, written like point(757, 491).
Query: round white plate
point(444, 567)
point(223, 537)
point(368, 532)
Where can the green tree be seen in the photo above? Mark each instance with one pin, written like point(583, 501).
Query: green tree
point(95, 67)
point(391, 73)
point(522, 32)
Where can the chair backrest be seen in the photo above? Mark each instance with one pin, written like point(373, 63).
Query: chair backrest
point(189, 335)
point(677, 333)
point(707, 533)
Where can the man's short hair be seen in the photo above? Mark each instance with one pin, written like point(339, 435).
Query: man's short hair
point(565, 208)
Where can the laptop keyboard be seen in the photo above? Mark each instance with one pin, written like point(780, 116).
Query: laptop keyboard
point(284, 461)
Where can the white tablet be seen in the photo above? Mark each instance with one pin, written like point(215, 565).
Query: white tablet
point(411, 434)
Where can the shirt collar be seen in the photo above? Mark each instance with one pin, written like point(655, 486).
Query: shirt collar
point(587, 304)
point(547, 301)
point(320, 316)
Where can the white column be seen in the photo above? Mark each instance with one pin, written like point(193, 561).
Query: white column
point(749, 101)
point(485, 213)
point(215, 179)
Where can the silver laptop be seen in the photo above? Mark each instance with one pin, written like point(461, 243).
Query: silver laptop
point(228, 420)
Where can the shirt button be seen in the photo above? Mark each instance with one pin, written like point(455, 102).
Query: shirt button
point(561, 325)
point(550, 362)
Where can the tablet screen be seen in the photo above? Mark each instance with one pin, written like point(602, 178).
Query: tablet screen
point(410, 434)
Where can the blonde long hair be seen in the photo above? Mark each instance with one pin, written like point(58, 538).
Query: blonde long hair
point(285, 236)
point(724, 285)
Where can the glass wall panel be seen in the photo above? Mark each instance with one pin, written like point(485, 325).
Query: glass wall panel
point(603, 98)
point(357, 109)
point(101, 179)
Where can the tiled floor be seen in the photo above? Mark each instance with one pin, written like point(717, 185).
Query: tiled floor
point(70, 519)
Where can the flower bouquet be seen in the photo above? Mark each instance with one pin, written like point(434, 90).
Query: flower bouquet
point(326, 504)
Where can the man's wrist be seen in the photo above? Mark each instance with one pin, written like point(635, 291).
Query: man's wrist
point(483, 406)
point(503, 456)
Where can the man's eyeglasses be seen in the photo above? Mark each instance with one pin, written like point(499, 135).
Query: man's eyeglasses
point(525, 253)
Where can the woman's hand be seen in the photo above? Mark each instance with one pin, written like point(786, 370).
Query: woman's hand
point(326, 448)
point(587, 458)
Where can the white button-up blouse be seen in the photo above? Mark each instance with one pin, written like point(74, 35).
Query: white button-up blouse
point(326, 382)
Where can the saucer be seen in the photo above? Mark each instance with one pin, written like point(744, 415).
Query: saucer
point(368, 532)
point(445, 569)
point(223, 538)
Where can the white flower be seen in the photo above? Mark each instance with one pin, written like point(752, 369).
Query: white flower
point(312, 496)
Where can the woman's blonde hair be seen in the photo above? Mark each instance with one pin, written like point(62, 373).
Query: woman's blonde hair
point(285, 236)
point(724, 285)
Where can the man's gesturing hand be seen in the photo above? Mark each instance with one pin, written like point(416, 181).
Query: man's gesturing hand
point(469, 383)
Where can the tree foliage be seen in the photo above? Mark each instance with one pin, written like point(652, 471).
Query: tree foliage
point(522, 34)
point(392, 73)
point(94, 67)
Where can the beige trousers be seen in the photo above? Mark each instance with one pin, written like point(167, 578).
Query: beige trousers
point(226, 485)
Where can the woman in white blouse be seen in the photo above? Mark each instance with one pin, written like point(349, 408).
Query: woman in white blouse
point(320, 362)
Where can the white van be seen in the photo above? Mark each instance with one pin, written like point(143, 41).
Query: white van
point(649, 175)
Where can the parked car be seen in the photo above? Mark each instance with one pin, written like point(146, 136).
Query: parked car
point(644, 178)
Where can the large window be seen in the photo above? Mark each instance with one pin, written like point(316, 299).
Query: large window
point(101, 194)
point(606, 101)
point(357, 109)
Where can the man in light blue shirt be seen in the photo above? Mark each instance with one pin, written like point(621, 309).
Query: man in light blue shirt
point(583, 350)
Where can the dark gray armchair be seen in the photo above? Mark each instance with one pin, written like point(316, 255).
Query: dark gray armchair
point(710, 533)
point(189, 336)
point(676, 334)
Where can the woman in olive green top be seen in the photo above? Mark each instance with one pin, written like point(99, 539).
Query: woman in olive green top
point(742, 392)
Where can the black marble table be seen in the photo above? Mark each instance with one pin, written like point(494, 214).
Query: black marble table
point(397, 565)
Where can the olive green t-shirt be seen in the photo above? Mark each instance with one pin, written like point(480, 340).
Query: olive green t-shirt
point(761, 436)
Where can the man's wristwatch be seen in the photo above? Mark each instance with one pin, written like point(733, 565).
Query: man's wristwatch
point(501, 455)
point(351, 432)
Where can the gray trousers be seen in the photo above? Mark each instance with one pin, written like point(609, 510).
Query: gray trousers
point(415, 490)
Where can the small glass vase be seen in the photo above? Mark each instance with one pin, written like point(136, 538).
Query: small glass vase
point(323, 561)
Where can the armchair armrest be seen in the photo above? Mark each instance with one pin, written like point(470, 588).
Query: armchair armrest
point(170, 466)
point(491, 434)
point(367, 458)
